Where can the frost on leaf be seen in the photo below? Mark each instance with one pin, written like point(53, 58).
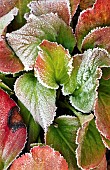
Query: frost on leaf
point(39, 100)
point(12, 130)
point(62, 136)
point(6, 6)
point(99, 37)
point(52, 65)
point(98, 16)
point(74, 5)
point(102, 165)
point(9, 63)
point(90, 151)
point(40, 158)
point(6, 20)
point(102, 108)
point(61, 7)
point(84, 4)
point(26, 40)
point(89, 72)
point(71, 84)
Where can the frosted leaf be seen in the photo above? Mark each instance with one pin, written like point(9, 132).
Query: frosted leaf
point(39, 100)
point(40, 158)
point(52, 65)
point(6, 20)
point(74, 5)
point(12, 131)
point(6, 6)
point(83, 98)
point(62, 136)
point(90, 151)
point(61, 7)
point(26, 40)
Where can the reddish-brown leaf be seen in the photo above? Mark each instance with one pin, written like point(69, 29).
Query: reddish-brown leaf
point(12, 130)
point(94, 17)
point(6, 6)
point(40, 158)
point(9, 62)
point(98, 38)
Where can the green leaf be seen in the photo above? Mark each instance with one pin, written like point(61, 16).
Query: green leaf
point(19, 19)
point(53, 65)
point(62, 137)
point(33, 128)
point(97, 38)
point(71, 85)
point(102, 108)
point(89, 72)
point(39, 100)
point(98, 16)
point(102, 165)
point(62, 8)
point(25, 41)
point(91, 150)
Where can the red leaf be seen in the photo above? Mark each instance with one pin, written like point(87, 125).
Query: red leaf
point(74, 5)
point(12, 130)
point(97, 38)
point(6, 6)
point(94, 17)
point(40, 158)
point(9, 63)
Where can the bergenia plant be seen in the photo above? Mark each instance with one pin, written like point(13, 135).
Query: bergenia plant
point(54, 84)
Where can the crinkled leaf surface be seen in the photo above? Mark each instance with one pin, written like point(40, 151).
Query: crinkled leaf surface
point(102, 108)
point(97, 16)
point(39, 100)
point(6, 6)
point(61, 7)
point(25, 41)
point(71, 84)
point(99, 37)
point(62, 136)
point(74, 5)
point(40, 158)
point(84, 96)
point(12, 130)
point(84, 4)
point(52, 65)
point(90, 151)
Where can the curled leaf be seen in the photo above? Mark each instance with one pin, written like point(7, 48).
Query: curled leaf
point(91, 18)
point(90, 151)
point(40, 157)
point(39, 100)
point(83, 98)
point(52, 65)
point(12, 131)
point(61, 7)
point(99, 37)
point(25, 41)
